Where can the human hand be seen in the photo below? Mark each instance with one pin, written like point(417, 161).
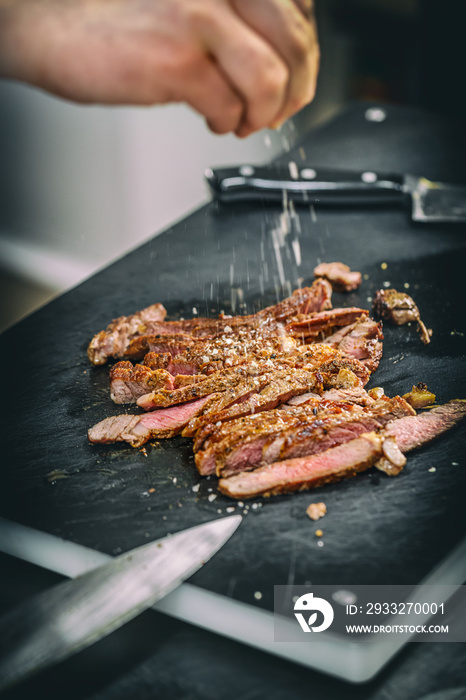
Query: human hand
point(244, 65)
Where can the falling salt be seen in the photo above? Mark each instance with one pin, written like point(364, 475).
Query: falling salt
point(230, 509)
point(386, 284)
point(313, 214)
point(432, 469)
point(174, 479)
point(406, 285)
point(240, 504)
point(211, 497)
point(455, 464)
point(297, 251)
point(195, 488)
point(293, 168)
point(257, 595)
point(320, 543)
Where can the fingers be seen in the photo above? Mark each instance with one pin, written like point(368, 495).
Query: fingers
point(249, 64)
point(210, 94)
point(289, 28)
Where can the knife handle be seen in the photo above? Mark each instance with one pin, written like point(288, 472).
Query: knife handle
point(305, 185)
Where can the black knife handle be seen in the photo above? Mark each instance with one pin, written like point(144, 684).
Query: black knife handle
point(304, 184)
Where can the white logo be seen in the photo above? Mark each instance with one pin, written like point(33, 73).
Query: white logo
point(308, 603)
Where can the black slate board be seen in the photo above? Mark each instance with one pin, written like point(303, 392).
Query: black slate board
point(377, 530)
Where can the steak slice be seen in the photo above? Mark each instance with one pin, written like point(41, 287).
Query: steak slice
point(137, 430)
point(293, 432)
point(321, 324)
point(303, 473)
point(415, 431)
point(361, 340)
point(356, 395)
point(113, 341)
point(128, 383)
point(339, 275)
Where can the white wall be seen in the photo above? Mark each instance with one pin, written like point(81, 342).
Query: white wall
point(82, 185)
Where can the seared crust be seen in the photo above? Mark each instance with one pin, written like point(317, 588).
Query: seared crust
point(113, 341)
point(302, 473)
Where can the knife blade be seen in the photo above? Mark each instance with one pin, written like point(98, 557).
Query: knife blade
point(61, 621)
point(430, 201)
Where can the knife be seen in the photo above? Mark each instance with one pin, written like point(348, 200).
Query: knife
point(429, 201)
point(59, 622)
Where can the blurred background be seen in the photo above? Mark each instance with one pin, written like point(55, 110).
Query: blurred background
point(80, 186)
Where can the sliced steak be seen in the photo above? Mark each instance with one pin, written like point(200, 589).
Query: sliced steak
point(320, 325)
point(157, 371)
point(267, 322)
point(339, 275)
point(275, 389)
point(136, 430)
point(215, 354)
point(282, 434)
point(227, 380)
point(415, 431)
point(113, 341)
point(302, 473)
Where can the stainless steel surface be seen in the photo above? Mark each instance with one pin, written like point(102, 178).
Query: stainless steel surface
point(436, 201)
point(59, 622)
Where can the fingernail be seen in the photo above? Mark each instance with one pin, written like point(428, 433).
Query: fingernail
point(277, 124)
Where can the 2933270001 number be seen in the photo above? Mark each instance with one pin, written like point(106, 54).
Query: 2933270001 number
point(404, 608)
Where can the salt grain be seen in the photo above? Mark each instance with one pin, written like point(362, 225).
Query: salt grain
point(211, 497)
